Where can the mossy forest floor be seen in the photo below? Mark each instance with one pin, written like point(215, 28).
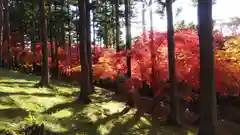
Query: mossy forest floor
point(22, 105)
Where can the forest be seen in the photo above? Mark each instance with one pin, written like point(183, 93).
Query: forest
point(73, 67)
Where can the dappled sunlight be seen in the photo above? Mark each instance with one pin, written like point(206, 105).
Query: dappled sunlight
point(114, 106)
point(63, 113)
point(15, 75)
point(22, 105)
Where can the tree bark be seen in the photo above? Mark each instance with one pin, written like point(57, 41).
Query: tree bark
point(105, 35)
point(7, 34)
point(21, 26)
point(94, 31)
point(174, 103)
point(143, 19)
point(45, 69)
point(128, 34)
point(32, 38)
point(62, 41)
point(153, 50)
point(207, 97)
point(57, 42)
point(113, 28)
point(117, 26)
point(51, 29)
point(1, 31)
point(69, 37)
point(84, 82)
point(89, 45)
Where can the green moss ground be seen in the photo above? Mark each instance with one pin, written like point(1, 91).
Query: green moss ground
point(21, 105)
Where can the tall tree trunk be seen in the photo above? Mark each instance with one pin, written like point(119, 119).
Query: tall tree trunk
point(51, 29)
point(7, 34)
point(77, 30)
point(143, 18)
point(69, 37)
point(32, 38)
point(93, 27)
point(105, 31)
point(89, 44)
point(45, 69)
point(85, 83)
point(207, 97)
point(105, 35)
point(21, 30)
point(174, 103)
point(153, 49)
point(151, 37)
point(1, 31)
point(128, 34)
point(62, 41)
point(113, 28)
point(57, 42)
point(117, 25)
point(57, 45)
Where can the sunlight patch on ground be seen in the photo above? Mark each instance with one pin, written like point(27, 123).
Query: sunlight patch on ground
point(63, 113)
point(56, 127)
point(144, 121)
point(5, 107)
point(21, 105)
point(112, 106)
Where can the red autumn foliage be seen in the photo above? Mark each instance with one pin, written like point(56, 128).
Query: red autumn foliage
point(109, 64)
point(187, 61)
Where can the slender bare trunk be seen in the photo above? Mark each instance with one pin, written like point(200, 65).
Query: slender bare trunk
point(117, 26)
point(7, 34)
point(1, 30)
point(84, 82)
point(208, 111)
point(89, 44)
point(45, 69)
point(128, 34)
point(174, 103)
point(143, 19)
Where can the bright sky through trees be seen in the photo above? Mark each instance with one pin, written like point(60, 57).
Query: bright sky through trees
point(222, 10)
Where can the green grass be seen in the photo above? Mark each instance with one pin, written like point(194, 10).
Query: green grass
point(22, 105)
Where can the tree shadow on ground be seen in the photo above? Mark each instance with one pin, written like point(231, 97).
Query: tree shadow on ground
point(103, 95)
point(123, 128)
point(10, 74)
point(5, 100)
point(2, 94)
point(80, 125)
point(17, 84)
point(77, 122)
point(81, 122)
point(10, 110)
point(96, 98)
point(64, 84)
point(111, 117)
point(74, 105)
point(12, 113)
point(31, 82)
point(99, 92)
point(228, 128)
point(163, 129)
